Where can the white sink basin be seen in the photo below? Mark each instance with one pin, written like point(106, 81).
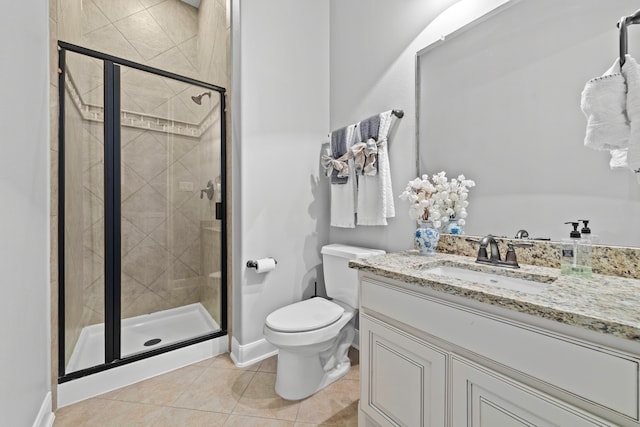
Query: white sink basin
point(489, 279)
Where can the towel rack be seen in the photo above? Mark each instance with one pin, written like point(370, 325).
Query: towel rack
point(622, 25)
point(398, 113)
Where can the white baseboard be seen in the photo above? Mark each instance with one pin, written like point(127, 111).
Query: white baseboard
point(92, 385)
point(244, 355)
point(45, 415)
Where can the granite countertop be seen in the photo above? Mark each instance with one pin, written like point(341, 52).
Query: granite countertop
point(605, 304)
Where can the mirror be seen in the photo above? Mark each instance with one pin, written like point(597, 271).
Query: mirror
point(500, 103)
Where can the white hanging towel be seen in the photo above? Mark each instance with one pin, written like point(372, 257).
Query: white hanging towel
point(603, 102)
point(343, 195)
point(375, 193)
point(611, 104)
point(631, 73)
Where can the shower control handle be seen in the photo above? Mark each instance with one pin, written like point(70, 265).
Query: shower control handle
point(208, 190)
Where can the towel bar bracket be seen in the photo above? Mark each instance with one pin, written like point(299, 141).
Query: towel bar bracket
point(622, 25)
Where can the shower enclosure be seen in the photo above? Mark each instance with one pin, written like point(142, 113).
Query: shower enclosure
point(142, 223)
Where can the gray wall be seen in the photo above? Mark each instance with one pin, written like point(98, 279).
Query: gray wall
point(280, 121)
point(374, 71)
point(24, 171)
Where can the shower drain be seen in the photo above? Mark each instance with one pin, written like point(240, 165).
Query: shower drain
point(152, 342)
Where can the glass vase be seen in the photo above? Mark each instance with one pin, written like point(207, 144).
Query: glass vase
point(427, 237)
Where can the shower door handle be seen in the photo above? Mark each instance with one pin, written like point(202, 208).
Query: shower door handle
point(208, 190)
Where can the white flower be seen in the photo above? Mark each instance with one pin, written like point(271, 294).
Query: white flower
point(437, 198)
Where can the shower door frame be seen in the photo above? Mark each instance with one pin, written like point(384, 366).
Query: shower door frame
point(112, 201)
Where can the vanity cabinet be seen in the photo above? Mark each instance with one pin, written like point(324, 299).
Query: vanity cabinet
point(430, 359)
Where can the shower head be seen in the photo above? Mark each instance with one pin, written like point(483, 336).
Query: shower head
point(198, 99)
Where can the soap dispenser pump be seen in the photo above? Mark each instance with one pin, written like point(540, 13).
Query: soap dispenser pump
point(575, 234)
point(586, 232)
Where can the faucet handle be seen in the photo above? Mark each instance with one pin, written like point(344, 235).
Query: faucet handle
point(510, 258)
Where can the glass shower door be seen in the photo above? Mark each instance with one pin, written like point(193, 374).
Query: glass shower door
point(170, 144)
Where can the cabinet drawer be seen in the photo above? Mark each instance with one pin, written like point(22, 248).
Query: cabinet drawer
point(483, 398)
point(601, 377)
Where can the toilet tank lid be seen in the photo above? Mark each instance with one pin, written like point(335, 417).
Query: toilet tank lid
point(350, 252)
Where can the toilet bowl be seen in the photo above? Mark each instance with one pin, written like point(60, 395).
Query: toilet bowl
point(313, 336)
point(309, 360)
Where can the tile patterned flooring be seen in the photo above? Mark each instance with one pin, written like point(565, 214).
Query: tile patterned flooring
point(216, 393)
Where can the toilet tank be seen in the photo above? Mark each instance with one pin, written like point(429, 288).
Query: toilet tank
point(341, 282)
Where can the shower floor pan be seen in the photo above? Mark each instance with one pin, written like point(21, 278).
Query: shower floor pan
point(168, 326)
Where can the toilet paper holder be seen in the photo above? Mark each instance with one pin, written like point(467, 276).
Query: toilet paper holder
point(254, 264)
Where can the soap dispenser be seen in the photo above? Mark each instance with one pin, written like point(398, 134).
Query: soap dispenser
point(569, 251)
point(585, 248)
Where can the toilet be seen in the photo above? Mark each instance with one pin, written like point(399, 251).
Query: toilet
point(313, 336)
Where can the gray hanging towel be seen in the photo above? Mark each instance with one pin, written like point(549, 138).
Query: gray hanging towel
point(338, 149)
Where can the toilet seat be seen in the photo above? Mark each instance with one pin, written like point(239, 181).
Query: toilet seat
point(307, 315)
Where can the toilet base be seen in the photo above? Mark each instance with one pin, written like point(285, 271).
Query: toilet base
point(301, 374)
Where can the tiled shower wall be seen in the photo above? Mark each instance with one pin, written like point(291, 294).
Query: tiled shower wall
point(168, 235)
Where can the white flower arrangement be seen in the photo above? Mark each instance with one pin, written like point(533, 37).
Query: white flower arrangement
point(438, 199)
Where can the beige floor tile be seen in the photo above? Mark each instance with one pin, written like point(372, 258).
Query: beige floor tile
point(108, 413)
point(297, 424)
point(243, 421)
point(336, 404)
point(160, 390)
point(177, 417)
point(205, 363)
point(79, 414)
point(118, 414)
point(269, 365)
point(217, 390)
point(260, 399)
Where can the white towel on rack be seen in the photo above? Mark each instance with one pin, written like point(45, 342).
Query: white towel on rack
point(603, 102)
point(631, 73)
point(375, 193)
point(343, 196)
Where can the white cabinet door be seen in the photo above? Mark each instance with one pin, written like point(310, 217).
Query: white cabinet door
point(403, 380)
point(483, 398)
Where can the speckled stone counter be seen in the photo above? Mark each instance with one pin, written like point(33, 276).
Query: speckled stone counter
point(606, 304)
